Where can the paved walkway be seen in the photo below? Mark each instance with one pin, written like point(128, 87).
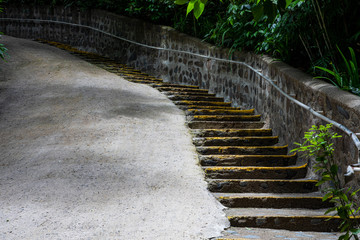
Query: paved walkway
point(88, 155)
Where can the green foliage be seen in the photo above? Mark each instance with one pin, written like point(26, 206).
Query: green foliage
point(349, 78)
point(260, 8)
point(152, 10)
point(318, 144)
point(197, 6)
point(3, 49)
point(238, 30)
point(270, 9)
point(301, 33)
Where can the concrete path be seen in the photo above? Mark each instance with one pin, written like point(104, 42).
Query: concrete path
point(85, 154)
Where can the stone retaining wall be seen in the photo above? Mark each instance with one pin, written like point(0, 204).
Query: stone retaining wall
point(232, 81)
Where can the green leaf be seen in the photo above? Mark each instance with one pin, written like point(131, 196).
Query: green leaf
point(181, 2)
point(198, 9)
point(330, 210)
point(190, 6)
point(326, 70)
point(346, 226)
point(288, 2)
point(355, 231)
point(327, 196)
point(343, 197)
point(353, 193)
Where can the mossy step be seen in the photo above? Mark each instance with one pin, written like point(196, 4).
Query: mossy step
point(186, 107)
point(262, 185)
point(181, 89)
point(289, 219)
point(172, 85)
point(271, 200)
point(140, 81)
point(219, 112)
point(136, 77)
point(243, 150)
point(128, 73)
point(247, 160)
point(203, 103)
point(292, 172)
point(113, 70)
point(222, 118)
point(231, 132)
point(119, 66)
point(148, 78)
point(116, 70)
point(224, 124)
point(195, 98)
point(236, 141)
point(202, 94)
point(134, 71)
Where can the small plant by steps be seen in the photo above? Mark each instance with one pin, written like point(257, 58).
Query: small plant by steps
point(318, 144)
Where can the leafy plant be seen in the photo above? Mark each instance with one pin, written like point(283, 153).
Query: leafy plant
point(349, 79)
point(197, 6)
point(260, 9)
point(318, 144)
point(3, 49)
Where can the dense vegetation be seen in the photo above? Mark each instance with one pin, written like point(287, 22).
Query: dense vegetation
point(318, 36)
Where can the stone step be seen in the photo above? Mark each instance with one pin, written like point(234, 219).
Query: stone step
point(225, 124)
point(117, 68)
point(219, 112)
point(194, 93)
point(273, 200)
point(222, 118)
point(247, 160)
point(147, 78)
point(140, 76)
point(195, 98)
point(186, 107)
point(236, 141)
point(243, 150)
point(262, 185)
point(172, 86)
point(132, 72)
point(292, 172)
point(245, 233)
point(127, 73)
point(231, 132)
point(289, 219)
point(203, 103)
point(182, 89)
point(141, 81)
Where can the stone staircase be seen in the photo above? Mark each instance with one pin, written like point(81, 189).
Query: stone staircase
point(246, 169)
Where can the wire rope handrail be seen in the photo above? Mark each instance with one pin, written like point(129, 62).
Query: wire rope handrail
point(351, 134)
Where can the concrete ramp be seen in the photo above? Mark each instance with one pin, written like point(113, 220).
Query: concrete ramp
point(85, 154)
